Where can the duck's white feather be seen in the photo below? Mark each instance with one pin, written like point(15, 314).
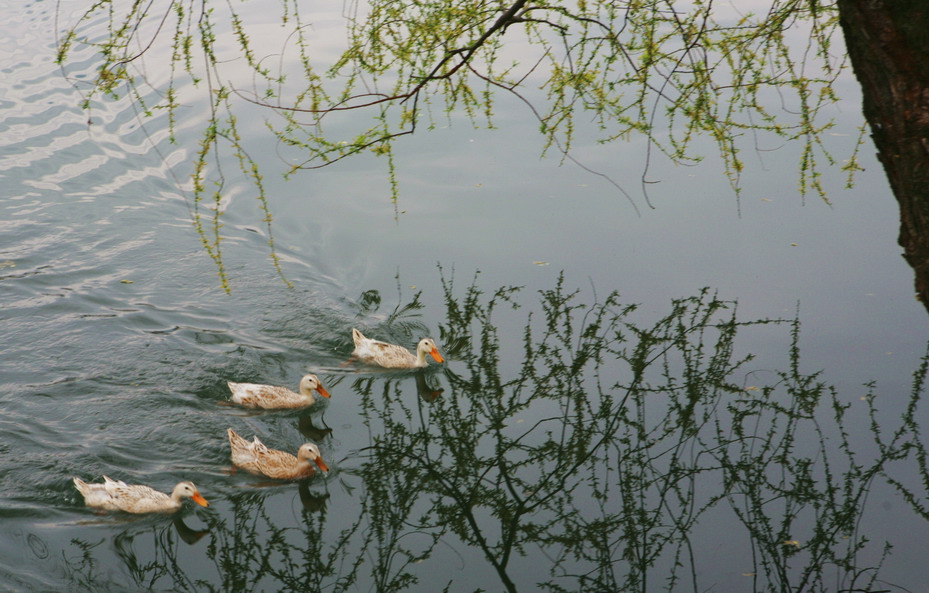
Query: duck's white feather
point(255, 395)
point(392, 356)
point(116, 495)
point(255, 457)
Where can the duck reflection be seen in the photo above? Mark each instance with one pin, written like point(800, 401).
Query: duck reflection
point(187, 534)
point(313, 502)
point(426, 392)
point(391, 384)
point(313, 428)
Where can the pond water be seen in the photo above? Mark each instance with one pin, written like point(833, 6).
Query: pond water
point(540, 456)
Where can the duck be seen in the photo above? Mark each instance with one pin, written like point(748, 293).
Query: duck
point(116, 495)
point(271, 397)
point(392, 356)
point(257, 458)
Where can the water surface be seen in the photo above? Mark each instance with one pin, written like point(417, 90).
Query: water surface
point(118, 340)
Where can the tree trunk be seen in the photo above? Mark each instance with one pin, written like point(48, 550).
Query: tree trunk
point(888, 43)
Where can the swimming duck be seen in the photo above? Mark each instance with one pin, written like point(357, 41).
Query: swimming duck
point(269, 397)
point(257, 458)
point(392, 356)
point(115, 495)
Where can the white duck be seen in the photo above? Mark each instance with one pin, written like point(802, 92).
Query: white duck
point(115, 495)
point(392, 356)
point(270, 397)
point(257, 458)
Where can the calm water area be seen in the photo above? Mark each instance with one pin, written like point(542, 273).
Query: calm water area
point(473, 475)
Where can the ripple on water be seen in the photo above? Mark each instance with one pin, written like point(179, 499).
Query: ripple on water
point(117, 338)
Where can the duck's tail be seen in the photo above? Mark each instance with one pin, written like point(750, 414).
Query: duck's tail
point(81, 486)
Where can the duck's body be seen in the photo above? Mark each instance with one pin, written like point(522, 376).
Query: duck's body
point(270, 397)
point(257, 458)
point(392, 356)
point(115, 495)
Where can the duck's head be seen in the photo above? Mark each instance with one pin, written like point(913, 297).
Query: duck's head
point(310, 383)
point(427, 346)
point(310, 452)
point(188, 490)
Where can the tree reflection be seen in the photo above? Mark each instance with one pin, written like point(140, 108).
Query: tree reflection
point(161, 540)
point(586, 451)
point(609, 447)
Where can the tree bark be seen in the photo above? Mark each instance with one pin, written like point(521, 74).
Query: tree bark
point(888, 44)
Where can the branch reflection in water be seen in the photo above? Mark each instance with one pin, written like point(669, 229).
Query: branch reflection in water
point(605, 456)
point(147, 548)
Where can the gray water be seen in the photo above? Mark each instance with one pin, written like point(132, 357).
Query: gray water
point(118, 338)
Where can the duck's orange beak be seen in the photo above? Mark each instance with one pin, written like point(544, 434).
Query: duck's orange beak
point(322, 391)
point(322, 464)
point(435, 354)
point(198, 498)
